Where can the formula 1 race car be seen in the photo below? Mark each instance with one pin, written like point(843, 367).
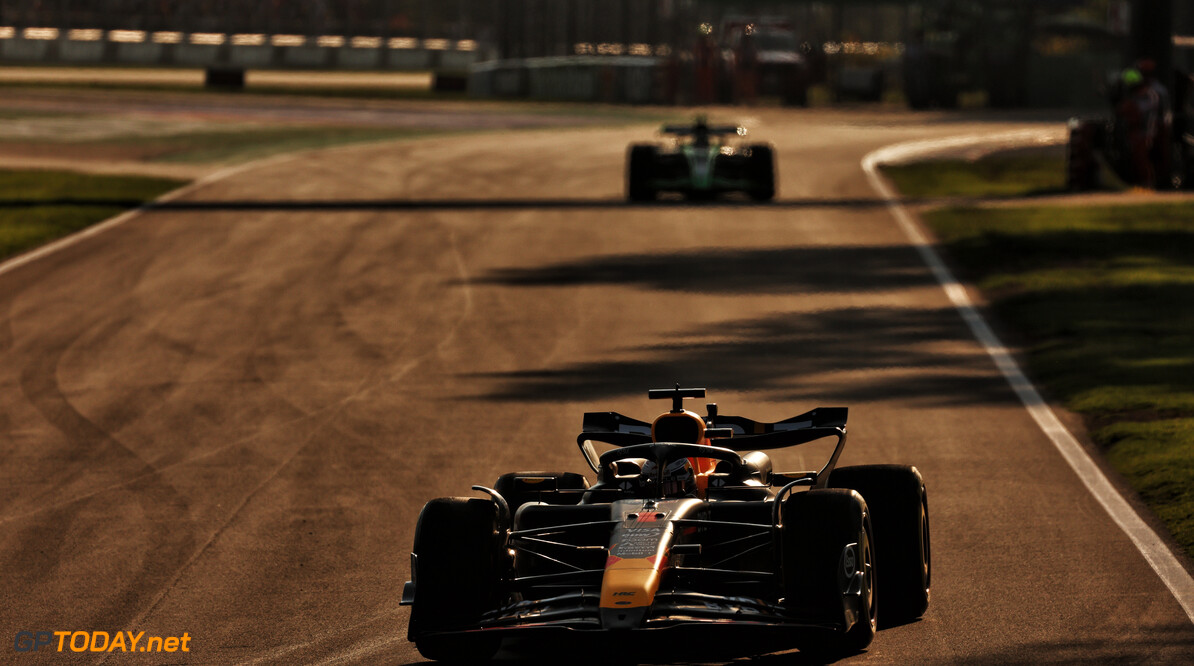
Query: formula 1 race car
point(700, 163)
point(687, 531)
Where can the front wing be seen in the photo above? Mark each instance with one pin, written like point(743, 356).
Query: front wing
point(578, 614)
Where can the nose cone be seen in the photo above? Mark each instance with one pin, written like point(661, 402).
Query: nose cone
point(627, 592)
point(630, 584)
point(628, 618)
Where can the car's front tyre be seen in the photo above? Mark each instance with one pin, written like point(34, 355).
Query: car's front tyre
point(761, 170)
point(640, 172)
point(457, 572)
point(829, 567)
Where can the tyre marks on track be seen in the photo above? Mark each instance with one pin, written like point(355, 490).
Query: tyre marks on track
point(294, 329)
point(91, 450)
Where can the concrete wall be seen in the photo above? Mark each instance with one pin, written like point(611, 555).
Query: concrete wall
point(415, 59)
point(614, 79)
point(251, 57)
point(144, 53)
point(81, 51)
point(29, 50)
point(199, 55)
point(17, 49)
point(359, 58)
point(304, 56)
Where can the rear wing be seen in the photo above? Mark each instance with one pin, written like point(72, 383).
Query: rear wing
point(743, 434)
point(748, 435)
point(736, 433)
point(688, 130)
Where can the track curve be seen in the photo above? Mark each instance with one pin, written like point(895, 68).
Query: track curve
point(224, 420)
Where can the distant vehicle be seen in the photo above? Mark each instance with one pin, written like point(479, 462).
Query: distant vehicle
point(766, 57)
point(687, 531)
point(700, 162)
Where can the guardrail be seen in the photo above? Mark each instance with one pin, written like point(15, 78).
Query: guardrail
point(224, 51)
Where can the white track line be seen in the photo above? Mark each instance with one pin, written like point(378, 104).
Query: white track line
point(1150, 545)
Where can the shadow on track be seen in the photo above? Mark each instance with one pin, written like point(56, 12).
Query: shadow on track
point(731, 202)
point(896, 352)
point(639, 650)
point(670, 201)
point(1165, 644)
point(909, 352)
point(785, 270)
point(498, 204)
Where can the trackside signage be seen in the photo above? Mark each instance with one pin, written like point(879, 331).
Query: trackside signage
point(98, 641)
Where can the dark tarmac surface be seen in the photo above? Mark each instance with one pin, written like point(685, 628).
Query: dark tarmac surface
point(224, 419)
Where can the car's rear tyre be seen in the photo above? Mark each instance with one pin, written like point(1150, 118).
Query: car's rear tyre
point(762, 173)
point(900, 510)
point(818, 528)
point(457, 575)
point(518, 488)
point(640, 172)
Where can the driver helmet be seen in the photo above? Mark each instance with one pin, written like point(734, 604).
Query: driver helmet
point(679, 479)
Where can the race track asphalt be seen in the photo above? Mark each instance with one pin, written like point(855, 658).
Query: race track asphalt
point(223, 416)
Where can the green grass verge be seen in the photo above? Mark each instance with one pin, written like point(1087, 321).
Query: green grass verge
point(226, 146)
point(37, 206)
point(1103, 299)
point(1018, 173)
point(1158, 456)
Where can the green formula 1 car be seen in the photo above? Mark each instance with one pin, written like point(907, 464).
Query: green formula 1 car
point(700, 162)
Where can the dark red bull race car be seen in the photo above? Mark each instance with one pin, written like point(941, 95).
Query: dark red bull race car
point(687, 529)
